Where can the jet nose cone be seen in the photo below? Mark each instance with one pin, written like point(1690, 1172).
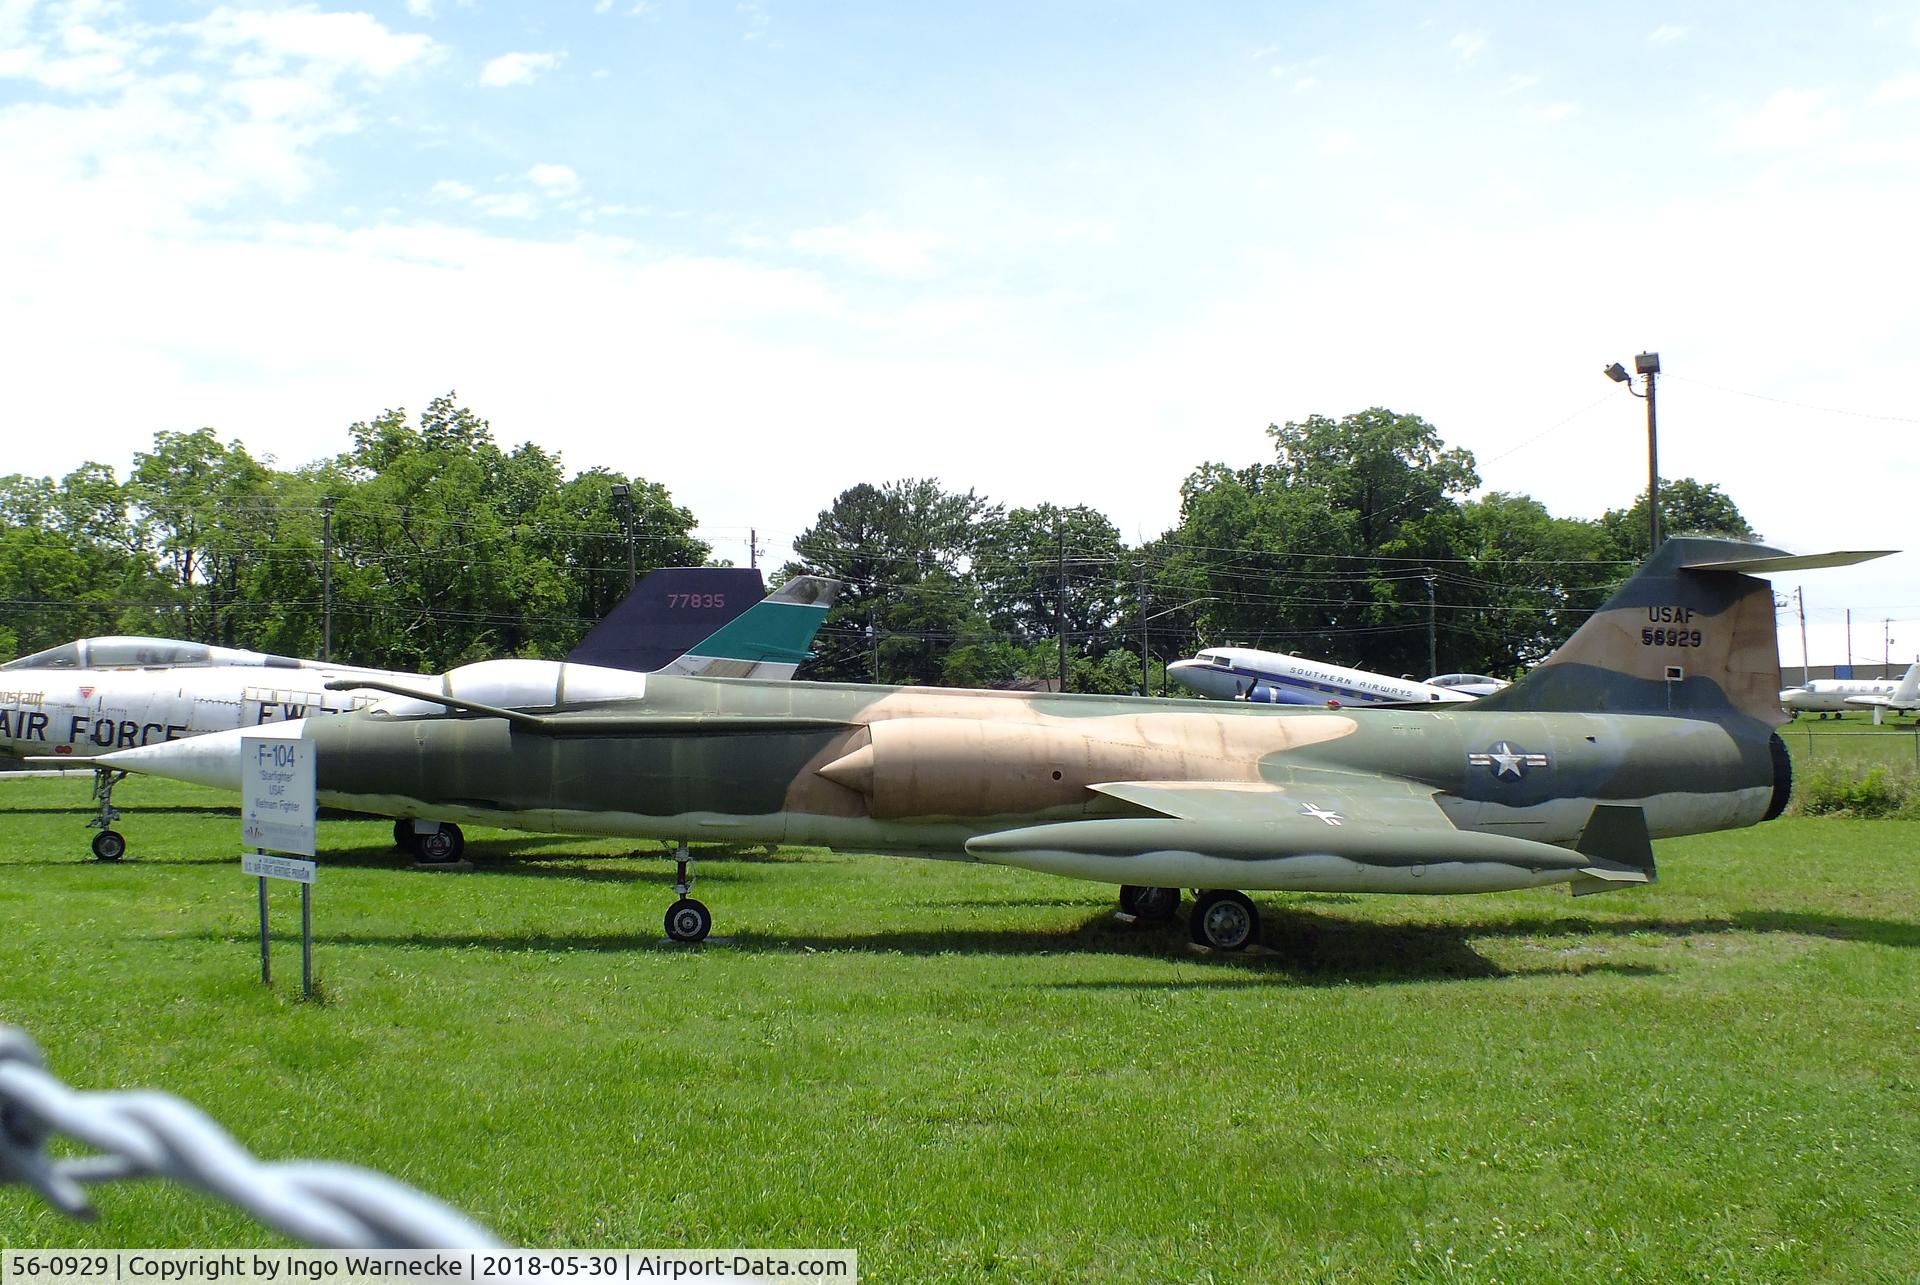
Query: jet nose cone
point(211, 760)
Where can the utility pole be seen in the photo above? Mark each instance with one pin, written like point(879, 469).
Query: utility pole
point(1433, 639)
point(753, 548)
point(1140, 599)
point(326, 579)
point(1849, 642)
point(1650, 369)
point(624, 494)
point(1060, 609)
point(873, 642)
point(1886, 648)
point(1799, 598)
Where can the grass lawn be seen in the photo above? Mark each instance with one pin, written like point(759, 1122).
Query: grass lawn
point(974, 1073)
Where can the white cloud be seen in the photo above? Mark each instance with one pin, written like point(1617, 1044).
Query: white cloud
point(506, 205)
point(1667, 34)
point(264, 40)
point(1791, 118)
point(873, 244)
point(758, 20)
point(1520, 84)
point(1468, 44)
point(1557, 111)
point(518, 68)
point(1901, 89)
point(555, 180)
point(420, 8)
point(448, 189)
point(1338, 143)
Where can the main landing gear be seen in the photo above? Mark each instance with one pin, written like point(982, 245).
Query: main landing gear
point(1222, 918)
point(109, 844)
point(438, 846)
point(687, 920)
point(1149, 905)
point(1225, 920)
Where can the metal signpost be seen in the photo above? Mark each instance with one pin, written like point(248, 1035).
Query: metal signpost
point(277, 813)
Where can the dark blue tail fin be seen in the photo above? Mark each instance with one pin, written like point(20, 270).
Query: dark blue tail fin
point(668, 611)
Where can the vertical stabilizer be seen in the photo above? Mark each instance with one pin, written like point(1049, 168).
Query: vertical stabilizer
point(667, 612)
point(1690, 633)
point(768, 640)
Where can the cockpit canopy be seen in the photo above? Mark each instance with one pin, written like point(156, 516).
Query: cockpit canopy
point(119, 651)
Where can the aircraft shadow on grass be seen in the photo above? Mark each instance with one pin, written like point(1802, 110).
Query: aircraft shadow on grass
point(160, 809)
point(1303, 947)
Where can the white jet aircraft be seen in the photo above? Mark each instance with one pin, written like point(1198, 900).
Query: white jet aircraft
point(1838, 695)
point(50, 709)
point(1269, 677)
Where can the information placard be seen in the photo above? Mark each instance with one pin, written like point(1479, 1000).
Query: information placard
point(266, 867)
point(276, 793)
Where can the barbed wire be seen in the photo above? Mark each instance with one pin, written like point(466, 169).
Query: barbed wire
point(148, 1134)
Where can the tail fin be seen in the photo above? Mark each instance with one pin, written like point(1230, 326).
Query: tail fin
point(670, 610)
point(769, 640)
point(1689, 633)
point(1908, 692)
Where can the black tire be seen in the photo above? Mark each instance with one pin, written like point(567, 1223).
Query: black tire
point(1155, 905)
point(1225, 920)
point(442, 845)
point(688, 920)
point(403, 835)
point(1129, 894)
point(109, 845)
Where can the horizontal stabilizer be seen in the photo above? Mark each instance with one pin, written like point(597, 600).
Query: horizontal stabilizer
point(1768, 565)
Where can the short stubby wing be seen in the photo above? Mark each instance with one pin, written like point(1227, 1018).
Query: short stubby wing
point(1346, 832)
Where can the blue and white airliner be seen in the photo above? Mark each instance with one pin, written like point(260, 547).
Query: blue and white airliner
point(1269, 677)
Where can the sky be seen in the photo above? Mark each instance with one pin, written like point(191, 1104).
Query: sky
point(759, 252)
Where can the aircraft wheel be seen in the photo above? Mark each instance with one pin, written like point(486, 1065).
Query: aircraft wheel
point(1156, 905)
point(1129, 897)
point(109, 845)
point(403, 835)
point(444, 844)
point(688, 920)
point(1225, 920)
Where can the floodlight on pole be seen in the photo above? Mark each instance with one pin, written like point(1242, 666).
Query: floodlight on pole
point(1647, 366)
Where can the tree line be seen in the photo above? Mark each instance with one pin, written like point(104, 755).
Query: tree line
point(1357, 542)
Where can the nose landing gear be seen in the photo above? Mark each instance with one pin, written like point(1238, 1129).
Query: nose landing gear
point(687, 920)
point(109, 844)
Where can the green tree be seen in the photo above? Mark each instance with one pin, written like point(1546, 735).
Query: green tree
point(1043, 567)
point(1327, 550)
point(201, 506)
point(1687, 507)
point(904, 550)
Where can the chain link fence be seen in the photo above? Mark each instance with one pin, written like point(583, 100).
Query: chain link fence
point(1894, 749)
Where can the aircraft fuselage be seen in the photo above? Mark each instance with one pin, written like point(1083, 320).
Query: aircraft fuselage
point(919, 771)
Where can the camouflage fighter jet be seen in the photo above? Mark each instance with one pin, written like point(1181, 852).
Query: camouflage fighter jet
point(1655, 719)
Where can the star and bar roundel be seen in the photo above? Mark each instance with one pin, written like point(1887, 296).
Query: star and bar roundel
point(1506, 761)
